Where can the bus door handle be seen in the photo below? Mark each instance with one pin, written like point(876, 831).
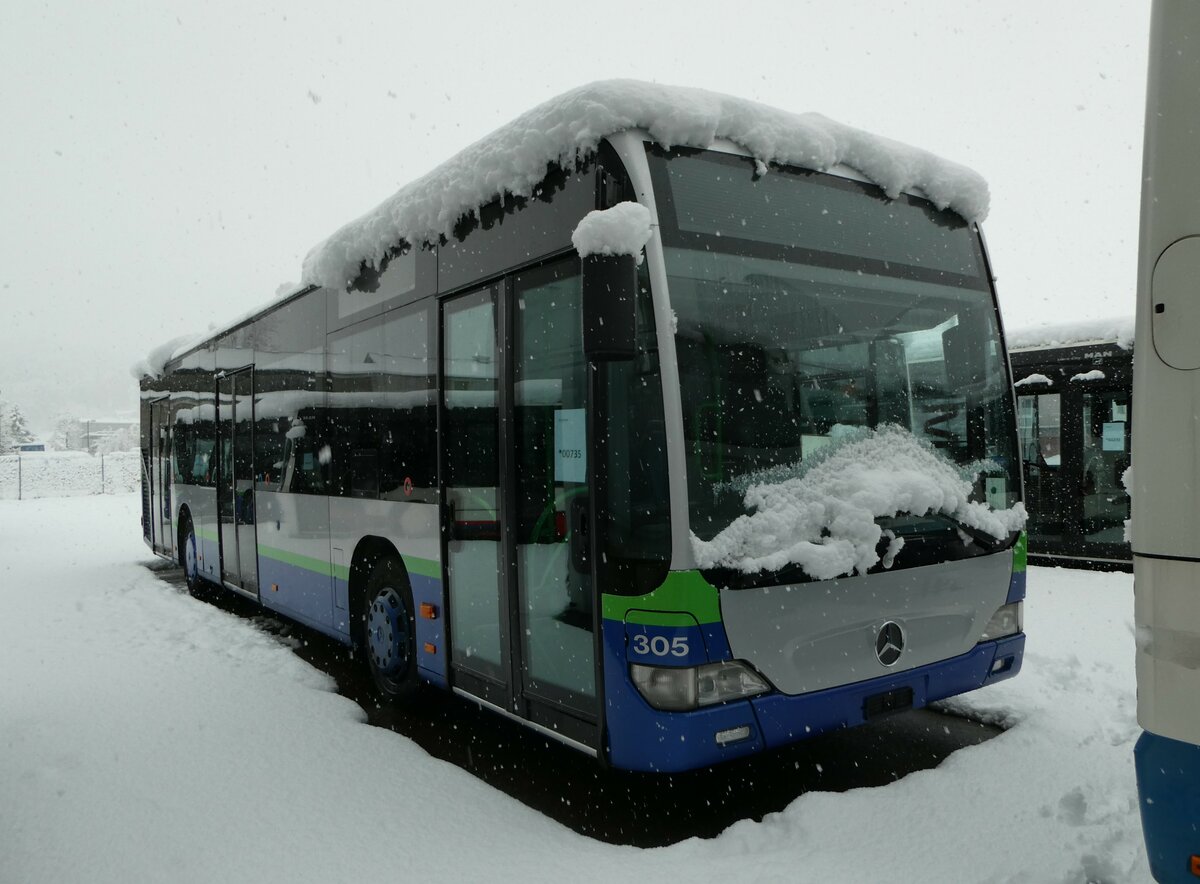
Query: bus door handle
point(581, 538)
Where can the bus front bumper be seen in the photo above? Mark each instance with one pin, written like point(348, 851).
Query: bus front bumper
point(643, 738)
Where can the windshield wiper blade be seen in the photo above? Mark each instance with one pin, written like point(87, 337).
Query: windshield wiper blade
point(990, 542)
point(985, 541)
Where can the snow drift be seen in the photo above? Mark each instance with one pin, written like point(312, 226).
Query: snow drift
point(822, 517)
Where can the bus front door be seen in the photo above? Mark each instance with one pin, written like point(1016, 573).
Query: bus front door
point(235, 480)
point(1104, 457)
point(1075, 449)
point(514, 456)
point(160, 476)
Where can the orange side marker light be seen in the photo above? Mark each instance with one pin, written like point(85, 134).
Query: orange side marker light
point(430, 648)
point(1196, 865)
point(428, 611)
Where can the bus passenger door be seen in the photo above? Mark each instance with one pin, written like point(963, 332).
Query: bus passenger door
point(162, 430)
point(159, 479)
point(1104, 457)
point(551, 509)
point(235, 480)
point(476, 590)
point(1039, 425)
point(516, 514)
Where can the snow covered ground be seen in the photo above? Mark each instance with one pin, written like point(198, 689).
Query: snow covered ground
point(68, 473)
point(145, 736)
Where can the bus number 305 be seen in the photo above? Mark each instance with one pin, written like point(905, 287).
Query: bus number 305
point(660, 646)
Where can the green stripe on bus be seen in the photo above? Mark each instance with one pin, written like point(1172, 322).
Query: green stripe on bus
point(423, 567)
point(308, 563)
point(414, 564)
point(1020, 553)
point(684, 592)
point(206, 534)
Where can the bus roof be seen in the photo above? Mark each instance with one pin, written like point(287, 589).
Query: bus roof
point(1072, 334)
point(513, 160)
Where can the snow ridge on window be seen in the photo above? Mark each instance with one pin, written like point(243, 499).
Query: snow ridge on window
point(823, 519)
point(514, 158)
point(1118, 330)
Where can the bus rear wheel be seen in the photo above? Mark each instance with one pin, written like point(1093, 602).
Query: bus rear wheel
point(386, 634)
point(190, 560)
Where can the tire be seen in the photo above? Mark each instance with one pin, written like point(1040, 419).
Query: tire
point(385, 634)
point(189, 559)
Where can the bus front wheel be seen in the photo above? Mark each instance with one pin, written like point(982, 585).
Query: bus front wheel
point(386, 633)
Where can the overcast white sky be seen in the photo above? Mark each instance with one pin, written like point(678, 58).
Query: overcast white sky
point(167, 165)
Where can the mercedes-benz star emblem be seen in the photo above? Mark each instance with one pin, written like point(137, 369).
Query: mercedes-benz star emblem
point(889, 644)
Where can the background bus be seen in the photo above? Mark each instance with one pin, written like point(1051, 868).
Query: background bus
point(1166, 507)
point(497, 466)
point(1073, 387)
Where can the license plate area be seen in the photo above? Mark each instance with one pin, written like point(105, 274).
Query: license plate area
point(887, 703)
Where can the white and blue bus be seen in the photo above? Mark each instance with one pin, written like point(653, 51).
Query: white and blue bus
point(1166, 402)
point(487, 461)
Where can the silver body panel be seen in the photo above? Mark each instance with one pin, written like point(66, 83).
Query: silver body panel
point(809, 636)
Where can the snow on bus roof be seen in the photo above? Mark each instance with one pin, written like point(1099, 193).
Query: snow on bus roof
point(1067, 334)
point(621, 230)
point(513, 160)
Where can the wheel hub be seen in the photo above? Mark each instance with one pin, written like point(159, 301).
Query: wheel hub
point(189, 557)
point(387, 632)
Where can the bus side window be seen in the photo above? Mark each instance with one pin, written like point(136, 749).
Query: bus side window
point(408, 420)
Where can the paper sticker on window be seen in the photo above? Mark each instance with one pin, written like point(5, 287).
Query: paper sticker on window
point(570, 445)
point(1114, 436)
point(997, 492)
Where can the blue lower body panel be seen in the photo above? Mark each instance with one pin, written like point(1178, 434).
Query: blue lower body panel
point(1168, 777)
point(643, 738)
point(787, 718)
point(430, 633)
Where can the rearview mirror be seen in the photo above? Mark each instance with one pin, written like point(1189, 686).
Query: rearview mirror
point(966, 366)
point(609, 295)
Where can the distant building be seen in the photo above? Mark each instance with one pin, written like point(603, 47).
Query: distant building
point(31, 446)
point(94, 436)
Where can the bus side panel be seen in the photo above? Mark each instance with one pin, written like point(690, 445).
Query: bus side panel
point(1167, 634)
point(412, 528)
point(294, 567)
point(1016, 583)
point(201, 503)
point(1167, 771)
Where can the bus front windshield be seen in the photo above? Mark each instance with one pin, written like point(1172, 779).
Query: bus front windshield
point(807, 305)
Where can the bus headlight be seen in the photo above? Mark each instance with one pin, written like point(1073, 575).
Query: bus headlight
point(675, 689)
point(1006, 621)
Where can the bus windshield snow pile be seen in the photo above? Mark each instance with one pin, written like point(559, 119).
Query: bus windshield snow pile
point(670, 424)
